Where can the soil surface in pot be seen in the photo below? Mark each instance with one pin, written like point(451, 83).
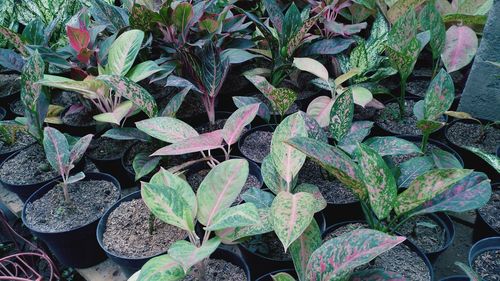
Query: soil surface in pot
point(207, 127)
point(363, 113)
point(425, 233)
point(9, 85)
point(218, 270)
point(257, 145)
point(107, 149)
point(191, 106)
point(418, 87)
point(89, 201)
point(80, 118)
point(388, 119)
point(195, 179)
point(17, 107)
point(491, 211)
point(29, 166)
point(399, 259)
point(469, 134)
point(22, 139)
point(267, 245)
point(127, 232)
point(332, 190)
point(487, 265)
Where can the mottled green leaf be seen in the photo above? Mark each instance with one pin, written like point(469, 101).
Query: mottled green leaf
point(207, 141)
point(14, 39)
point(430, 19)
point(259, 197)
point(320, 203)
point(429, 126)
point(392, 146)
point(123, 52)
point(188, 254)
point(78, 149)
point(439, 96)
point(402, 7)
point(56, 149)
point(166, 129)
point(260, 83)
point(241, 215)
point(341, 115)
point(126, 134)
point(282, 276)
point(491, 159)
point(358, 131)
point(404, 60)
point(272, 178)
point(143, 164)
point(444, 159)
point(302, 248)
point(282, 99)
point(163, 267)
point(412, 168)
point(32, 72)
point(230, 235)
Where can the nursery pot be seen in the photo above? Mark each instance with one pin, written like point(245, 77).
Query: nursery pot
point(484, 245)
point(483, 229)
point(267, 277)
point(471, 159)
point(261, 264)
point(241, 141)
point(24, 191)
point(75, 130)
point(77, 247)
point(111, 166)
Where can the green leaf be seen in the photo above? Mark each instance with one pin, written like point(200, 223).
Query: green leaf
point(78, 149)
point(263, 112)
point(439, 96)
point(188, 254)
point(166, 129)
point(291, 214)
point(358, 131)
point(430, 19)
point(403, 31)
point(358, 58)
point(491, 159)
point(260, 83)
point(429, 126)
point(112, 16)
point(392, 146)
point(259, 197)
point(126, 134)
point(163, 267)
point(282, 276)
point(404, 60)
point(14, 39)
point(427, 186)
point(237, 121)
point(320, 203)
point(123, 52)
point(214, 69)
point(30, 89)
point(143, 164)
point(230, 235)
point(220, 188)
point(302, 248)
point(402, 7)
point(237, 216)
point(312, 66)
point(131, 91)
point(460, 47)
point(182, 15)
point(444, 159)
point(56, 149)
point(143, 71)
point(175, 103)
point(413, 168)
point(341, 115)
point(271, 176)
point(282, 99)
point(473, 276)
point(378, 179)
point(338, 257)
point(287, 159)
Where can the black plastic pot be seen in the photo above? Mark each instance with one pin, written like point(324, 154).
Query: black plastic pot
point(111, 166)
point(483, 229)
point(481, 246)
point(455, 278)
point(336, 213)
point(3, 112)
point(472, 160)
point(267, 277)
point(74, 130)
point(407, 242)
point(25, 191)
point(77, 247)
point(266, 128)
point(262, 265)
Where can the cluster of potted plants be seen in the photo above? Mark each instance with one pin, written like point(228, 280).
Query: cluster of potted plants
point(269, 140)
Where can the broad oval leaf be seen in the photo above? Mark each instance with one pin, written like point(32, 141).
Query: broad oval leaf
point(359, 130)
point(291, 214)
point(163, 267)
point(241, 215)
point(361, 96)
point(220, 188)
point(123, 52)
point(230, 235)
point(444, 159)
point(260, 198)
point(260, 83)
point(272, 178)
point(314, 190)
point(412, 168)
point(143, 164)
point(341, 115)
point(312, 66)
point(263, 112)
point(167, 129)
point(207, 141)
point(392, 146)
point(439, 96)
point(182, 15)
point(237, 121)
point(188, 254)
point(282, 276)
point(56, 149)
point(320, 109)
point(460, 47)
point(143, 71)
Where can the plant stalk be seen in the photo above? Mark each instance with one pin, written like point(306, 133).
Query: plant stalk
point(402, 99)
point(425, 140)
point(151, 221)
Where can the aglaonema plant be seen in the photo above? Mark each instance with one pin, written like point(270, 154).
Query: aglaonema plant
point(62, 156)
point(172, 200)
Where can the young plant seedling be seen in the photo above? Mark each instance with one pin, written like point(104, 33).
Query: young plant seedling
point(62, 156)
point(172, 200)
point(467, 116)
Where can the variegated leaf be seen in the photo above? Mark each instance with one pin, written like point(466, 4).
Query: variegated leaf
point(220, 188)
point(401, 7)
point(167, 129)
point(312, 66)
point(430, 19)
point(320, 109)
point(320, 203)
point(439, 96)
point(143, 70)
point(376, 275)
point(275, 14)
point(259, 197)
point(79, 148)
point(143, 164)
point(207, 141)
point(341, 115)
point(260, 83)
point(412, 168)
point(404, 60)
point(241, 215)
point(378, 179)
point(427, 186)
point(296, 39)
point(337, 257)
point(272, 178)
point(444, 159)
point(282, 99)
point(237, 121)
point(188, 254)
point(32, 72)
point(392, 146)
point(14, 39)
point(282, 276)
point(291, 214)
point(230, 235)
point(263, 112)
point(175, 103)
point(126, 134)
point(460, 47)
point(117, 115)
point(359, 130)
point(429, 126)
point(491, 159)
point(163, 267)
point(314, 130)
point(403, 31)
point(182, 15)
point(123, 51)
point(302, 248)
point(56, 149)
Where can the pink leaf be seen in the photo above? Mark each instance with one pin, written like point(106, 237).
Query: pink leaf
point(207, 141)
point(79, 38)
point(237, 122)
point(460, 47)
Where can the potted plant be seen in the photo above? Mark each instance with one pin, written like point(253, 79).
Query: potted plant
point(483, 257)
point(13, 137)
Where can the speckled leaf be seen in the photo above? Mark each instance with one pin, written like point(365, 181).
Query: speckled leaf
point(237, 121)
point(188, 254)
point(275, 14)
point(11, 60)
point(412, 168)
point(404, 60)
point(359, 130)
point(14, 39)
point(470, 193)
point(358, 58)
point(331, 46)
point(131, 91)
point(56, 149)
point(491, 159)
point(297, 39)
point(123, 51)
point(126, 134)
point(314, 130)
point(287, 159)
point(167, 129)
point(282, 276)
point(444, 159)
point(206, 141)
point(378, 179)
point(272, 178)
point(32, 73)
point(376, 275)
point(230, 235)
point(263, 112)
point(163, 267)
point(338, 257)
point(334, 161)
point(259, 197)
point(320, 203)
point(282, 99)
point(320, 109)
point(392, 146)
point(302, 248)
point(114, 17)
point(220, 188)
point(473, 276)
point(460, 47)
point(143, 164)
point(439, 96)
point(168, 205)
point(341, 115)
point(260, 83)
point(401, 7)
point(429, 126)
point(291, 214)
point(79, 148)
point(240, 215)
point(403, 31)
point(427, 186)
point(430, 19)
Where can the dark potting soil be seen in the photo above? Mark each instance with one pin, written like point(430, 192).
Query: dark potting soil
point(127, 232)
point(80, 118)
point(17, 107)
point(398, 159)
point(469, 134)
point(28, 167)
point(22, 139)
point(294, 108)
point(388, 119)
point(192, 106)
point(491, 211)
point(218, 270)
point(195, 179)
point(257, 145)
point(89, 200)
point(207, 127)
point(424, 232)
point(487, 265)
point(65, 98)
point(267, 245)
point(418, 87)
point(363, 113)
point(332, 190)
point(399, 259)
point(107, 149)
point(9, 84)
